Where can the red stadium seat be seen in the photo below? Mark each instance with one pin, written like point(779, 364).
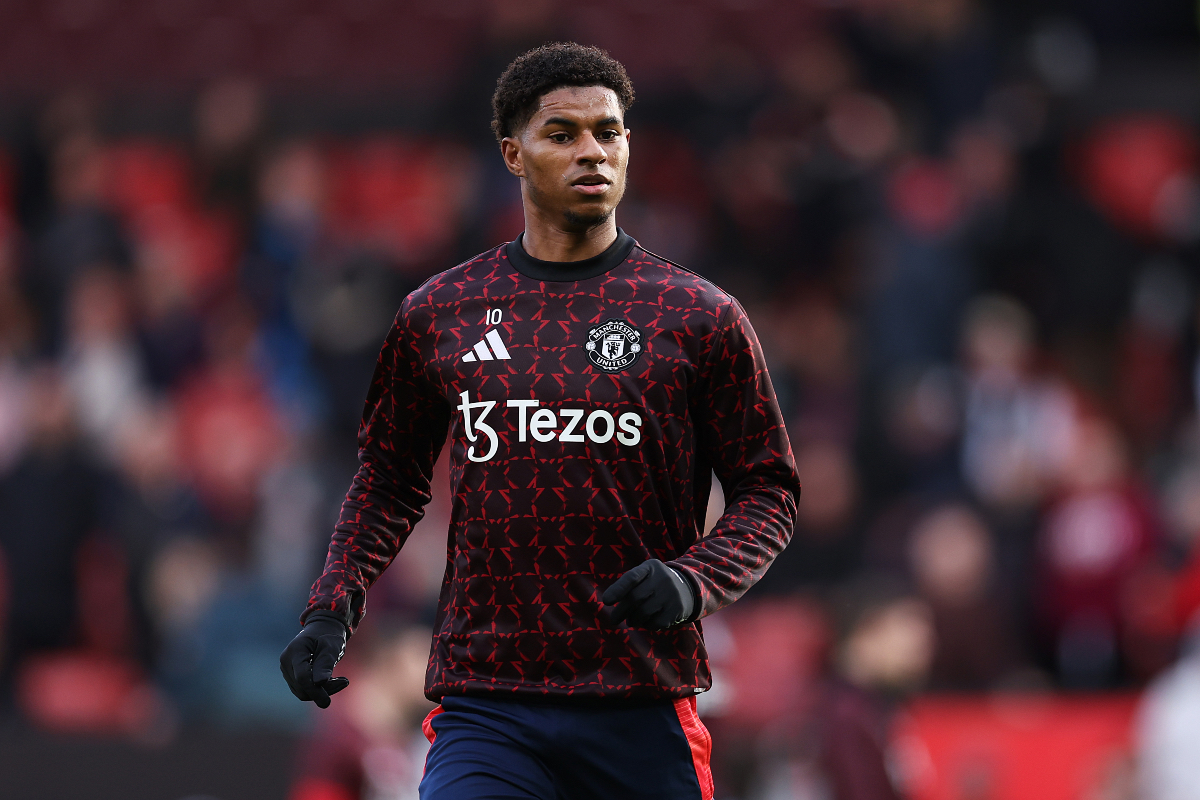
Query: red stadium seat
point(1138, 168)
point(147, 176)
point(401, 196)
point(1013, 747)
point(81, 691)
point(316, 789)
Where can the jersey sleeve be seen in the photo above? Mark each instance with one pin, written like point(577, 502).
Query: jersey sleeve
point(404, 425)
point(740, 433)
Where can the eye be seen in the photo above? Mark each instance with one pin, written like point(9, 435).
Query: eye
point(609, 135)
point(559, 138)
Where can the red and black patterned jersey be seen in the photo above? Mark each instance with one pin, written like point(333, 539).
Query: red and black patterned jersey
point(587, 405)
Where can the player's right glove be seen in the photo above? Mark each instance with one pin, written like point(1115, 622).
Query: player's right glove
point(307, 663)
point(651, 595)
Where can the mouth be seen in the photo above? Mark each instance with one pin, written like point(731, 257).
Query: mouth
point(591, 184)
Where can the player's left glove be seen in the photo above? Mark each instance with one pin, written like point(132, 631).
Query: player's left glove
point(651, 595)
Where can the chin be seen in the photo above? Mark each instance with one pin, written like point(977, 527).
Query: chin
point(587, 219)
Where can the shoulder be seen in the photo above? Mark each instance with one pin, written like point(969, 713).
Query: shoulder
point(681, 285)
point(470, 279)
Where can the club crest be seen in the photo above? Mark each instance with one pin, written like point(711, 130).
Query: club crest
point(613, 345)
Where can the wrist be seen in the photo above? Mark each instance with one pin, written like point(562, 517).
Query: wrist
point(687, 594)
point(324, 623)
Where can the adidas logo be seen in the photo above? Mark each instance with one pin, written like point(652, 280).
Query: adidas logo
point(482, 353)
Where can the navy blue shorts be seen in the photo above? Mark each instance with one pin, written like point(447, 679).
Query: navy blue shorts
point(488, 749)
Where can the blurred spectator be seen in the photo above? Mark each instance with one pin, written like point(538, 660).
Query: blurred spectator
point(287, 242)
point(886, 654)
point(1095, 538)
point(181, 583)
point(854, 729)
point(919, 276)
point(49, 504)
point(183, 256)
point(102, 360)
point(922, 417)
point(344, 306)
point(81, 233)
point(229, 119)
point(1150, 392)
point(229, 431)
point(291, 192)
point(890, 645)
point(983, 163)
point(954, 564)
point(1019, 426)
point(169, 329)
point(149, 505)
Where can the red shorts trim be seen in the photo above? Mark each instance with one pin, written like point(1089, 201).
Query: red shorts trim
point(427, 723)
point(699, 740)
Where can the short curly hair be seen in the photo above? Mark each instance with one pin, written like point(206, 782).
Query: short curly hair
point(546, 68)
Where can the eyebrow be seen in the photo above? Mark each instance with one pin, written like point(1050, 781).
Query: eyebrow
point(570, 123)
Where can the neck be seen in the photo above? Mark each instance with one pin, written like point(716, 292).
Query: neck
point(549, 242)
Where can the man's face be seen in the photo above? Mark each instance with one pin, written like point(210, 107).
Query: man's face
point(572, 156)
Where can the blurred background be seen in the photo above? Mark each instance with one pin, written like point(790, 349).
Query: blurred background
point(968, 234)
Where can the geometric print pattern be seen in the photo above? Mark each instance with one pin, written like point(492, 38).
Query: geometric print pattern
point(542, 526)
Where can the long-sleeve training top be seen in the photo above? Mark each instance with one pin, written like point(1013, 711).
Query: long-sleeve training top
point(587, 405)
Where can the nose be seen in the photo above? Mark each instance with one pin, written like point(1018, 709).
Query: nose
point(590, 151)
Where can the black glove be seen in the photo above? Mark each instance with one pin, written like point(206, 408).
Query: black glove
point(651, 595)
point(307, 663)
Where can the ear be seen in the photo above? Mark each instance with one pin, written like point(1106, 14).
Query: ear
point(510, 150)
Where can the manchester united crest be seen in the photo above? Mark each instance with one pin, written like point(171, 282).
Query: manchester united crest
point(613, 345)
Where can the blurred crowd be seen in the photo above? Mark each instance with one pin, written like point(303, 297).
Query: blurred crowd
point(969, 249)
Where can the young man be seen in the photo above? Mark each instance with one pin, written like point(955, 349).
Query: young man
point(589, 388)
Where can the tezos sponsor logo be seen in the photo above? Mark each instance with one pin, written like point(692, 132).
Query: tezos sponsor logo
point(545, 425)
point(614, 345)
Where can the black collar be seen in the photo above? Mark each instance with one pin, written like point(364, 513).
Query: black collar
point(535, 268)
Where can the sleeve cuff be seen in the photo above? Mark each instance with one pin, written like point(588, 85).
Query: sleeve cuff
point(331, 616)
point(693, 613)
